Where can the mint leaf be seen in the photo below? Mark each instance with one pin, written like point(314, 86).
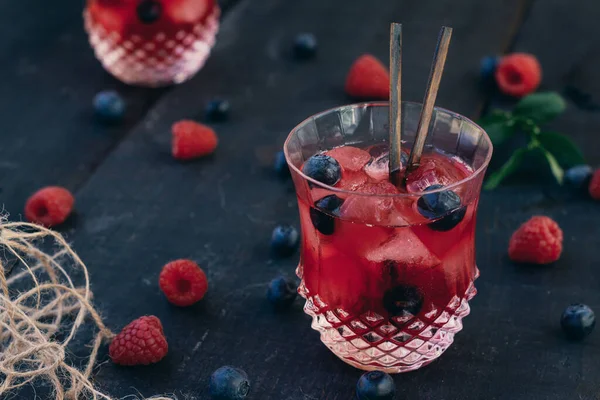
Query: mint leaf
point(566, 152)
point(556, 169)
point(509, 167)
point(540, 107)
point(499, 126)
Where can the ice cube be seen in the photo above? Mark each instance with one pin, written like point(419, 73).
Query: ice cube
point(379, 168)
point(405, 249)
point(352, 180)
point(350, 158)
point(366, 209)
point(371, 209)
point(435, 169)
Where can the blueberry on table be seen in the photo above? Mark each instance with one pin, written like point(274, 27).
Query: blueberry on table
point(323, 222)
point(281, 168)
point(323, 168)
point(285, 240)
point(109, 106)
point(217, 110)
point(579, 177)
point(445, 206)
point(488, 67)
point(281, 293)
point(577, 321)
point(229, 383)
point(375, 385)
point(149, 11)
point(403, 300)
point(305, 46)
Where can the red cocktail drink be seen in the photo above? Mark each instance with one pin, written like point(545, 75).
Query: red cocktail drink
point(387, 272)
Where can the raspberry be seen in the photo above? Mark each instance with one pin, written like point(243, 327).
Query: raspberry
point(368, 78)
point(183, 282)
point(49, 206)
point(537, 241)
point(192, 140)
point(518, 74)
point(594, 186)
point(141, 342)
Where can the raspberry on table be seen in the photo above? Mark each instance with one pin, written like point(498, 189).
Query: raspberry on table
point(192, 140)
point(49, 206)
point(518, 74)
point(594, 186)
point(368, 79)
point(537, 241)
point(183, 282)
point(141, 342)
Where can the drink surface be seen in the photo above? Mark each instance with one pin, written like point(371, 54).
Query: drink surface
point(387, 276)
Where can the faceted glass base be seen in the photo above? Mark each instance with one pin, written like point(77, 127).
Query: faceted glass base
point(154, 62)
point(398, 344)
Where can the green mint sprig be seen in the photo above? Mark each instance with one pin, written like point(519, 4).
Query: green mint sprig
point(558, 150)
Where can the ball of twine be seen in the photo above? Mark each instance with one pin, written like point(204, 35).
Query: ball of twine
point(41, 311)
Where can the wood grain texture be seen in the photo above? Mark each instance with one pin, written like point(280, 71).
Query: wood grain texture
point(141, 208)
point(49, 77)
point(569, 61)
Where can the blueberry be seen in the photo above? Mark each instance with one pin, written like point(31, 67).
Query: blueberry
point(577, 321)
point(284, 240)
point(281, 167)
point(323, 168)
point(323, 222)
point(305, 46)
point(488, 67)
point(217, 110)
point(229, 383)
point(281, 293)
point(375, 385)
point(444, 206)
point(579, 177)
point(403, 300)
point(149, 11)
point(109, 106)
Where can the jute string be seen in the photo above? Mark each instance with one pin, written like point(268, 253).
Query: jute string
point(41, 311)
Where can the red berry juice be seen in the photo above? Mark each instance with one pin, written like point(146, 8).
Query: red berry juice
point(387, 280)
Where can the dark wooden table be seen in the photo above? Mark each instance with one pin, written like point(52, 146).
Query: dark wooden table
point(137, 208)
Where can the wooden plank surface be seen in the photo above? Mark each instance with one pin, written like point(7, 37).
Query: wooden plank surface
point(141, 209)
point(50, 75)
point(565, 39)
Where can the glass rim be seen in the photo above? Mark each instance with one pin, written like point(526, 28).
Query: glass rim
point(322, 185)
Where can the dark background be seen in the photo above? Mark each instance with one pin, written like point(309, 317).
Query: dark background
point(137, 208)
